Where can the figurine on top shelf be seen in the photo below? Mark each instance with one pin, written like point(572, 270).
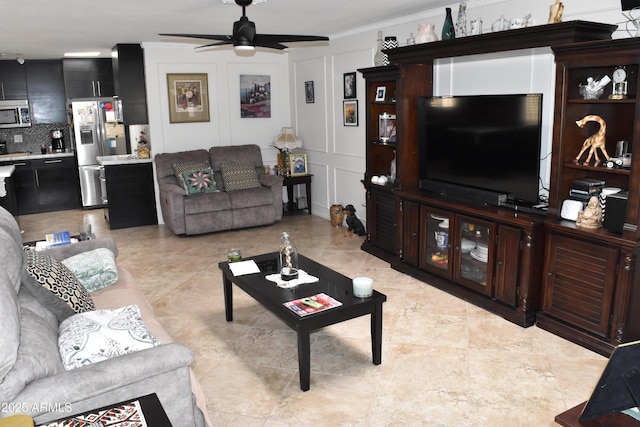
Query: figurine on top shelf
point(555, 12)
point(594, 88)
point(594, 142)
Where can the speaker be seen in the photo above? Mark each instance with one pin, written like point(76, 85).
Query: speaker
point(464, 194)
point(616, 211)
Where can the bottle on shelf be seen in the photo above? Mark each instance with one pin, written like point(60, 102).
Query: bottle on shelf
point(448, 31)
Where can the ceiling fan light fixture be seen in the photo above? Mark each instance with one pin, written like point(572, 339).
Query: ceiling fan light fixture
point(244, 48)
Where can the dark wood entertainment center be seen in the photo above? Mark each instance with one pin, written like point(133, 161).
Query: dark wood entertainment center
point(529, 268)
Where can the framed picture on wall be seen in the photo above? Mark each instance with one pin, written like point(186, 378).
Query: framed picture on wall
point(309, 93)
point(350, 112)
point(298, 164)
point(188, 98)
point(255, 96)
point(349, 85)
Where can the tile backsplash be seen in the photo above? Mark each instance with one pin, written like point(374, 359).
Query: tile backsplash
point(33, 137)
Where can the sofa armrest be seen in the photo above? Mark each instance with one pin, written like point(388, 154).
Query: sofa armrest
point(270, 180)
point(163, 370)
point(171, 188)
point(62, 252)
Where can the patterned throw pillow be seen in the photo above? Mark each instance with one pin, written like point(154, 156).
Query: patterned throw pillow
point(45, 277)
point(200, 181)
point(95, 269)
point(239, 176)
point(98, 335)
point(181, 168)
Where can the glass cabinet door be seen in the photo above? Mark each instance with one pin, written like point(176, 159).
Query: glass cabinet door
point(435, 253)
point(473, 250)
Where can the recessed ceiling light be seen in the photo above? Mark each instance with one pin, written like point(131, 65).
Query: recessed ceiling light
point(82, 54)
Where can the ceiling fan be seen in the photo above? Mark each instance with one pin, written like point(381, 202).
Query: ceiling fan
point(245, 38)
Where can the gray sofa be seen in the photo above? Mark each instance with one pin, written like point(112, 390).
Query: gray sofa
point(222, 210)
point(33, 379)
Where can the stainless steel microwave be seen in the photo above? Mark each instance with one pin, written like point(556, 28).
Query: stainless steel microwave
point(15, 114)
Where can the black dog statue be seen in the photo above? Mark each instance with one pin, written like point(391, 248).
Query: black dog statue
point(355, 227)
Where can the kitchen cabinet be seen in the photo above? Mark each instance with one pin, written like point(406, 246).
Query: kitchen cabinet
point(487, 256)
point(45, 88)
point(88, 78)
point(129, 81)
point(591, 288)
point(45, 184)
point(13, 81)
point(24, 183)
point(131, 195)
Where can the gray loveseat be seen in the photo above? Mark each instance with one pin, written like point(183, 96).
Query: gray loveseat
point(33, 379)
point(221, 210)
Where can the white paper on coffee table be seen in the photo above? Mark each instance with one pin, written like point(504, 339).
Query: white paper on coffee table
point(303, 277)
point(244, 267)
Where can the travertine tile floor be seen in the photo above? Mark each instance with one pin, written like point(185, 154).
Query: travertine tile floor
point(445, 362)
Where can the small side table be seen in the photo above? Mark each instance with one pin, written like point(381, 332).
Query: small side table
point(289, 182)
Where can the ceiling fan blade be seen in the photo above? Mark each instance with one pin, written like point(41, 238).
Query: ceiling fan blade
point(222, 43)
point(202, 36)
point(287, 38)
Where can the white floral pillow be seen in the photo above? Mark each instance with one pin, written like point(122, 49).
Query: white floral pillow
point(99, 335)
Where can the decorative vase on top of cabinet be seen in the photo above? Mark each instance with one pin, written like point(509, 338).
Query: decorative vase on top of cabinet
point(591, 286)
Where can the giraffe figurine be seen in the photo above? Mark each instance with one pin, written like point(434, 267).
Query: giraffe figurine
point(595, 142)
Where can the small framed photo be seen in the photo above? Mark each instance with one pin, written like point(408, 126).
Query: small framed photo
point(298, 164)
point(350, 112)
point(350, 85)
point(381, 93)
point(309, 93)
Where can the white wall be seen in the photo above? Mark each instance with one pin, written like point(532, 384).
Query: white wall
point(336, 152)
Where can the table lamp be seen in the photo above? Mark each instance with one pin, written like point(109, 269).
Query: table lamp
point(286, 141)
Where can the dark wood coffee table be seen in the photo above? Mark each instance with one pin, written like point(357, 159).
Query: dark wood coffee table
point(331, 283)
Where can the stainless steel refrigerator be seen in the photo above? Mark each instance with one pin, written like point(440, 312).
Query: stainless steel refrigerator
point(98, 131)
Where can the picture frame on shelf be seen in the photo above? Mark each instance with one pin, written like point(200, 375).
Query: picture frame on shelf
point(350, 112)
point(298, 164)
point(381, 93)
point(309, 92)
point(350, 85)
point(188, 98)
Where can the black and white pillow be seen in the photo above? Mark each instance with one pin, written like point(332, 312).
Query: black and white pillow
point(54, 285)
point(239, 176)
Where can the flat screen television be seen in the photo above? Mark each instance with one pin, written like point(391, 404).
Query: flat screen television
point(485, 142)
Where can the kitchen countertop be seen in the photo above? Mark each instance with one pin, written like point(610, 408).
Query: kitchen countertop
point(29, 156)
point(121, 159)
point(6, 171)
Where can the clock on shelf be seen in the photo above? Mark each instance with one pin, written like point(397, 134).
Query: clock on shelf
point(619, 83)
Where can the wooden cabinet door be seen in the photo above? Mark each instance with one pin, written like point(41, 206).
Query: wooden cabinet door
point(381, 220)
point(474, 253)
point(507, 264)
point(410, 232)
point(580, 283)
point(24, 184)
point(13, 81)
point(435, 241)
point(46, 92)
point(57, 184)
point(87, 78)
